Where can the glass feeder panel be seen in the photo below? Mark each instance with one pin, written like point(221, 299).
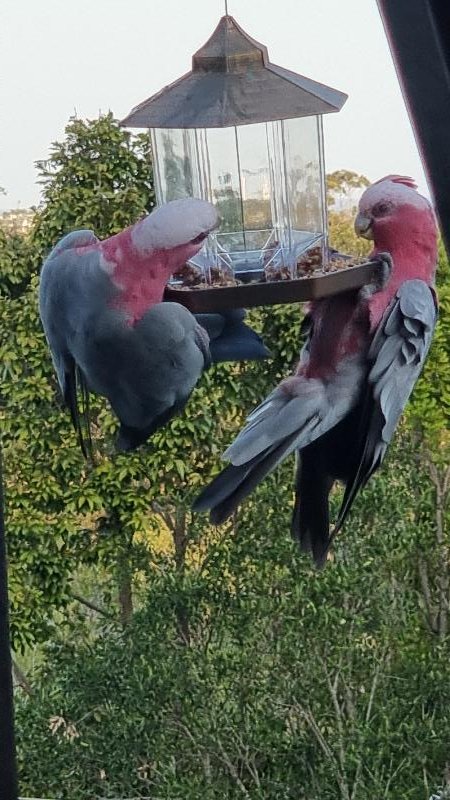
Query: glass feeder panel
point(267, 183)
point(225, 192)
point(278, 255)
point(173, 163)
point(181, 169)
point(298, 196)
point(304, 171)
point(256, 192)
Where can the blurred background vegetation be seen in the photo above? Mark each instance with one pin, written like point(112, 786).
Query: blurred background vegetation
point(157, 657)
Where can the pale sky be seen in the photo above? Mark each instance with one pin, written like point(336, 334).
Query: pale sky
point(58, 57)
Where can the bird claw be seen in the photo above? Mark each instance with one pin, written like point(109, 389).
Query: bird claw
point(382, 276)
point(385, 270)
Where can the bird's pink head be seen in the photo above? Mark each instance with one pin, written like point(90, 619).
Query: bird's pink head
point(178, 229)
point(399, 220)
point(141, 259)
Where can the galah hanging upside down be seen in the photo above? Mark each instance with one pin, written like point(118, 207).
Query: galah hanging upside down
point(109, 331)
point(363, 355)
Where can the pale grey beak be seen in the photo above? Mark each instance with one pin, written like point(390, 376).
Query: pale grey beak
point(363, 226)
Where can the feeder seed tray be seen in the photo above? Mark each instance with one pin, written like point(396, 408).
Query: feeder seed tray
point(314, 287)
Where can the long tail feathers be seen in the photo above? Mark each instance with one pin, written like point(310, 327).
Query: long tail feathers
point(74, 384)
point(310, 519)
point(85, 413)
point(235, 483)
point(368, 458)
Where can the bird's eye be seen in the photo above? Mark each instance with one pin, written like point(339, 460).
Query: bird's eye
point(380, 209)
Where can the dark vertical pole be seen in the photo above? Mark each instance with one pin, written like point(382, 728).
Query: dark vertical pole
point(418, 32)
point(8, 774)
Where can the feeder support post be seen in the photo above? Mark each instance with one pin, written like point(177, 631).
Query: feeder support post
point(418, 33)
point(8, 773)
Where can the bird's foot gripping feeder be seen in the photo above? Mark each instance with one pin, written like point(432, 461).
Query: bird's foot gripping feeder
point(247, 136)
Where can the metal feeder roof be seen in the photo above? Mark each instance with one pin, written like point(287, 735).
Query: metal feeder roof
point(232, 82)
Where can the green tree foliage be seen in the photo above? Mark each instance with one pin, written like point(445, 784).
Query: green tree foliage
point(342, 182)
point(340, 185)
point(343, 237)
point(428, 417)
point(280, 681)
point(15, 255)
point(430, 409)
point(99, 176)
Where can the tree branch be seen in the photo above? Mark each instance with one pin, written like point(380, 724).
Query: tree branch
point(20, 677)
point(333, 689)
point(426, 591)
point(232, 769)
point(307, 714)
point(165, 515)
point(92, 606)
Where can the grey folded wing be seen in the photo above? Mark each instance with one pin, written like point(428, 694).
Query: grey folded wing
point(146, 370)
point(143, 369)
point(64, 282)
point(397, 355)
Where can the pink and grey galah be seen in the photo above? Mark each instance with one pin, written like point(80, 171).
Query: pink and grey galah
point(110, 333)
point(363, 354)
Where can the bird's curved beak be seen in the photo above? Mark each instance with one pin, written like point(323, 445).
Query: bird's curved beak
point(200, 238)
point(204, 235)
point(363, 226)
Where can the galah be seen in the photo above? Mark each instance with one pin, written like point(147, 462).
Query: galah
point(110, 333)
point(363, 354)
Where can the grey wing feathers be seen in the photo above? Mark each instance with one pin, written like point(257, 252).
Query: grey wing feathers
point(154, 365)
point(282, 423)
point(274, 430)
point(272, 422)
point(52, 302)
point(316, 407)
point(230, 338)
point(80, 238)
point(397, 355)
point(235, 483)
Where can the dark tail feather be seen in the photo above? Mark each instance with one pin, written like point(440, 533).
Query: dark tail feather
point(221, 487)
point(353, 487)
point(234, 484)
point(233, 340)
point(85, 413)
point(310, 520)
point(74, 380)
point(339, 454)
point(366, 461)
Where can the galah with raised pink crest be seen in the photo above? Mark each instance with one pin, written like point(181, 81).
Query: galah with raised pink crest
point(363, 354)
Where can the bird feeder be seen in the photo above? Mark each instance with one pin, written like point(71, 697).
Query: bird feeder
point(247, 136)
